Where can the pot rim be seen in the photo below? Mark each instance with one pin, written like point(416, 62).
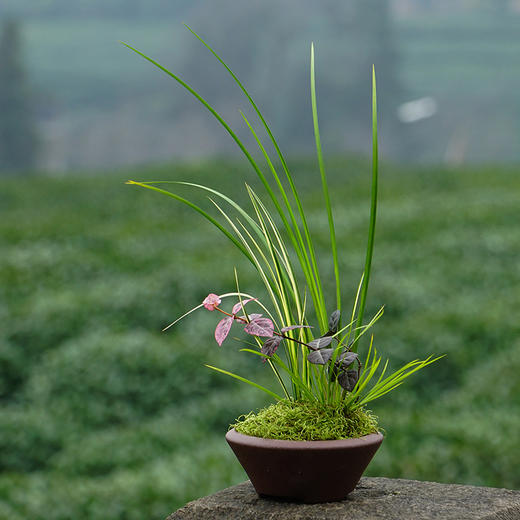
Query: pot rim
point(260, 442)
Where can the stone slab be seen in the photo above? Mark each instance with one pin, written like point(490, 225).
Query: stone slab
point(373, 499)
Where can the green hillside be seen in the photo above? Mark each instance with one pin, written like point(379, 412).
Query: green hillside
point(103, 416)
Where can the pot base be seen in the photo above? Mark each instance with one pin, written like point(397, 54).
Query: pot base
point(304, 471)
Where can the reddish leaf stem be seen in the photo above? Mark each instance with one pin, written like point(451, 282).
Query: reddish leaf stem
point(243, 320)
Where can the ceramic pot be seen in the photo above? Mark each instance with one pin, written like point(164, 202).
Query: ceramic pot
point(304, 471)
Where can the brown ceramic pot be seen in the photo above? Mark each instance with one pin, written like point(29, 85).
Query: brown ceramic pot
point(304, 471)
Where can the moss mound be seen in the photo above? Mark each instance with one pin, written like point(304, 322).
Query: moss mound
point(306, 421)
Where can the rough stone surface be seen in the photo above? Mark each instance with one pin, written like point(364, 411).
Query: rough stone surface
point(373, 499)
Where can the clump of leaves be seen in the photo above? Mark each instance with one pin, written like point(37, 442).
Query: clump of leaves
point(325, 367)
point(328, 352)
point(306, 421)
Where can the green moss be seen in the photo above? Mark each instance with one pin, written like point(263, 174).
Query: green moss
point(306, 421)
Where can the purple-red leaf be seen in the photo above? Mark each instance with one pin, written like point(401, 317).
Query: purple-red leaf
point(238, 306)
point(260, 327)
point(222, 330)
point(251, 317)
point(322, 342)
point(270, 345)
point(292, 327)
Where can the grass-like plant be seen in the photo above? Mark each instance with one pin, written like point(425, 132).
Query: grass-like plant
point(319, 364)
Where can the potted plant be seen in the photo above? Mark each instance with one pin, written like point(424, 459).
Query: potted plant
point(315, 441)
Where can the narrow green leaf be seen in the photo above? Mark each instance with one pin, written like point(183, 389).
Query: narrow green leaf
point(270, 284)
point(324, 182)
point(206, 215)
point(373, 204)
point(301, 252)
point(244, 380)
point(219, 194)
point(321, 311)
point(220, 119)
point(293, 376)
point(282, 252)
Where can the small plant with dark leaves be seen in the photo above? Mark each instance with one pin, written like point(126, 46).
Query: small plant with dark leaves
point(321, 352)
point(321, 363)
point(331, 354)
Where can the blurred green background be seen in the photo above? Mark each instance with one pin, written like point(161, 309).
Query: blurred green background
point(102, 415)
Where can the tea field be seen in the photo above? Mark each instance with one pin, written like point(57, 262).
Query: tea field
point(103, 416)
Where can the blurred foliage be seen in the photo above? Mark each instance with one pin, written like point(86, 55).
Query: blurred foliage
point(103, 416)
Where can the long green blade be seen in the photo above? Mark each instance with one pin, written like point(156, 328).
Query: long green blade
point(373, 205)
point(249, 382)
point(270, 285)
point(230, 201)
point(220, 119)
point(297, 381)
point(206, 215)
point(324, 181)
point(314, 287)
point(321, 310)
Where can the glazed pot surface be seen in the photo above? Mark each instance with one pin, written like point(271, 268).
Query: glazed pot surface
point(305, 471)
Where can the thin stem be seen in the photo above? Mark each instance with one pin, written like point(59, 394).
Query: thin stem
point(283, 336)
